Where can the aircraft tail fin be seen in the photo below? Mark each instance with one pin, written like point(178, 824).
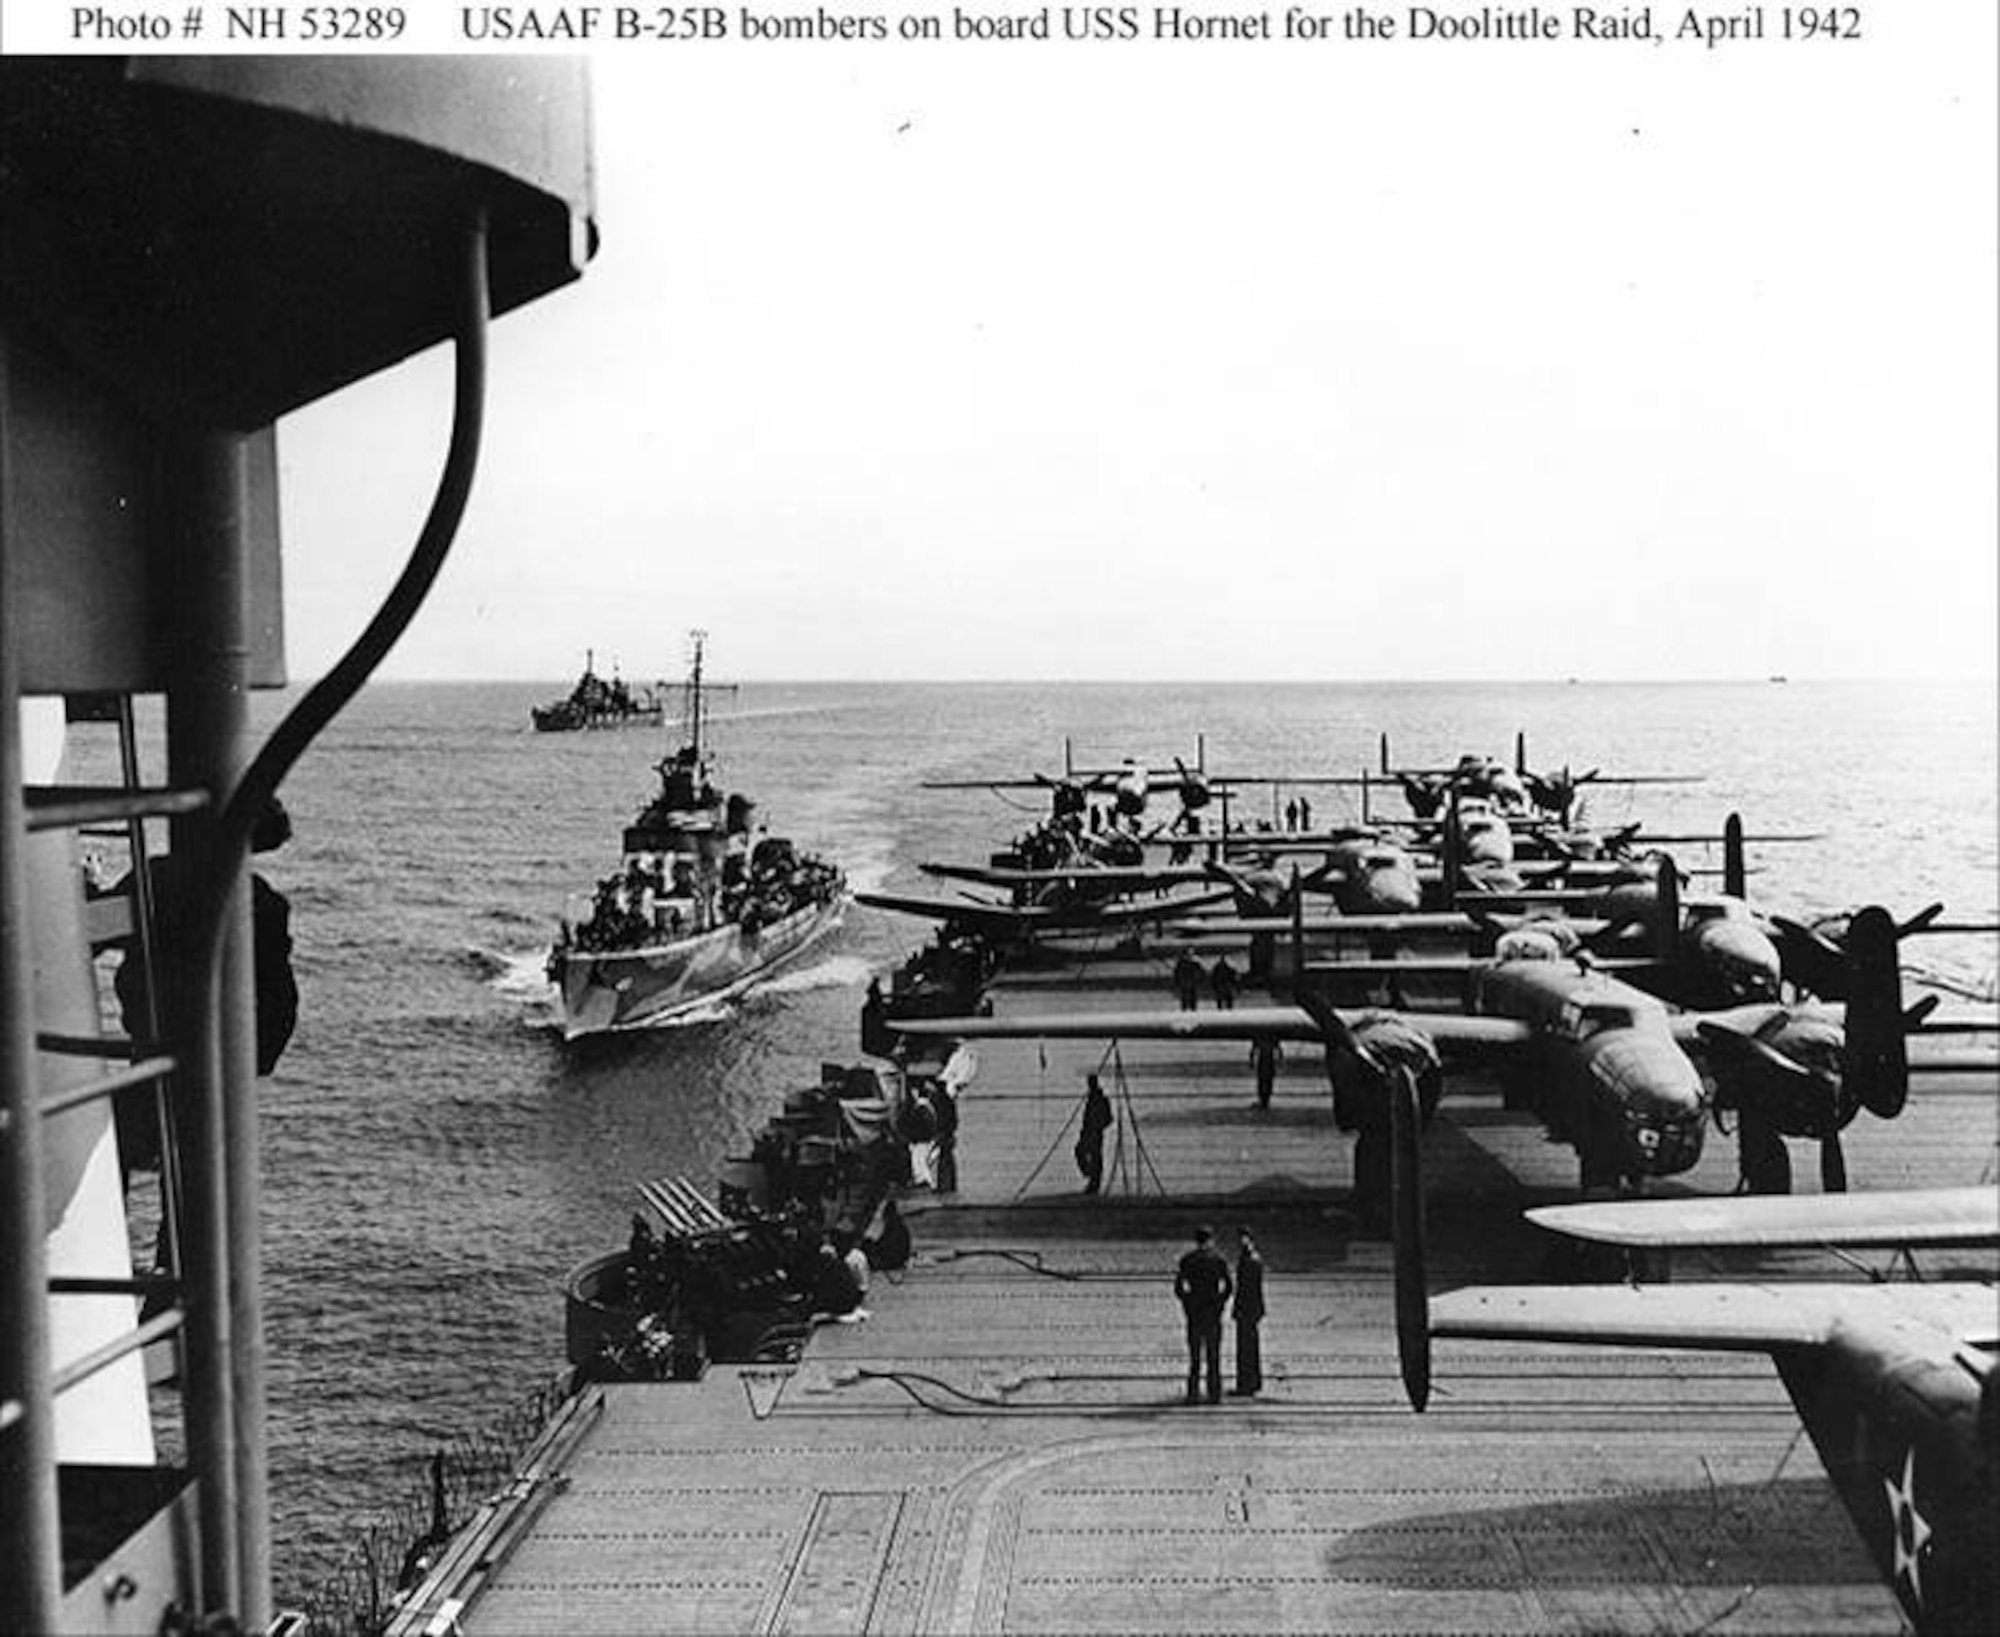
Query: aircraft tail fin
point(1406, 1226)
point(1876, 1063)
point(1345, 1051)
point(1735, 874)
point(1667, 913)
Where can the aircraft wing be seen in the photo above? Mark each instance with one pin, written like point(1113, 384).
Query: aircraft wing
point(1417, 921)
point(1241, 1023)
point(1237, 842)
point(1902, 1217)
point(1721, 1317)
point(1349, 781)
point(1086, 916)
point(996, 783)
point(1099, 875)
point(1958, 1022)
point(956, 909)
point(1459, 965)
point(1919, 1024)
point(1010, 918)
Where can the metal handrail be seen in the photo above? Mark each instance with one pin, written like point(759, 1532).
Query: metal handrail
point(140, 1073)
point(103, 1046)
point(138, 1284)
point(66, 806)
point(142, 1335)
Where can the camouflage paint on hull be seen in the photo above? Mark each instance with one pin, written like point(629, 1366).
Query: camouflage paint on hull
point(639, 988)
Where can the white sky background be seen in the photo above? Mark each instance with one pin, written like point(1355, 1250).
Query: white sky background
point(1232, 361)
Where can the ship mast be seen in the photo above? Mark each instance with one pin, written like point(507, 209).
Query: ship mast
point(691, 701)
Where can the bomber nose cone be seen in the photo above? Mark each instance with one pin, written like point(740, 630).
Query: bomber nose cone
point(1661, 1098)
point(1744, 960)
point(1648, 1074)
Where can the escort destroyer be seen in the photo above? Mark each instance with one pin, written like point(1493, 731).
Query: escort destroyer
point(703, 903)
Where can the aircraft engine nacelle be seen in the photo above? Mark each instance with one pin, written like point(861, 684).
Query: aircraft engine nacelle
point(1506, 791)
point(1380, 881)
point(1425, 796)
point(1066, 800)
point(1632, 903)
point(1129, 793)
point(1815, 954)
point(1816, 1104)
point(1485, 838)
point(1548, 941)
point(1360, 1101)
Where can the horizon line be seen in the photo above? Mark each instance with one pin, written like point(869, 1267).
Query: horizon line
point(1774, 679)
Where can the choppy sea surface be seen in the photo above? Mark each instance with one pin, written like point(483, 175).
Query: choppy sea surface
point(436, 1159)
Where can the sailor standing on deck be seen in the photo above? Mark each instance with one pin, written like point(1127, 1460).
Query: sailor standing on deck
point(1224, 980)
point(1187, 981)
point(1249, 1313)
point(1097, 1119)
point(946, 1106)
point(1203, 1285)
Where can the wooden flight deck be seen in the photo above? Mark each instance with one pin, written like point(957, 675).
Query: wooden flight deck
point(1001, 1446)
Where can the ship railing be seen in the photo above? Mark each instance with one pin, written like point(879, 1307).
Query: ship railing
point(159, 1313)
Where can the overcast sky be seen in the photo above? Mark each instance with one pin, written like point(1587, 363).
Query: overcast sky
point(1229, 361)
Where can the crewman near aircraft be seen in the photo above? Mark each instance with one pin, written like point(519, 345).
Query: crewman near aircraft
point(1203, 1285)
point(1249, 1314)
point(945, 1103)
point(836, 1292)
point(1097, 1119)
point(1187, 981)
point(1223, 979)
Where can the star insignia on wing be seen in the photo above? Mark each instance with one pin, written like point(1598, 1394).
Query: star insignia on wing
point(1908, 1526)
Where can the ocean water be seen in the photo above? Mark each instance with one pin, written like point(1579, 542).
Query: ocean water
point(436, 1159)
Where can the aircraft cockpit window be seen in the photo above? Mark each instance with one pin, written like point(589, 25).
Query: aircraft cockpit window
point(1598, 1017)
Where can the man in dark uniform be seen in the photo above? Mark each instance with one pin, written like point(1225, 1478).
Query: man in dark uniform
point(1097, 1119)
point(276, 987)
point(946, 1105)
point(1203, 1285)
point(1224, 980)
point(1249, 1312)
point(1187, 981)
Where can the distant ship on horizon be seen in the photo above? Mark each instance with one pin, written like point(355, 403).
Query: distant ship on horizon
point(596, 703)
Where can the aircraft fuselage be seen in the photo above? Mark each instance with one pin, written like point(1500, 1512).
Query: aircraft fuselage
point(1817, 1104)
point(1907, 1422)
point(1613, 1080)
point(1375, 879)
